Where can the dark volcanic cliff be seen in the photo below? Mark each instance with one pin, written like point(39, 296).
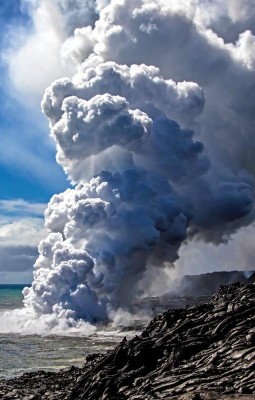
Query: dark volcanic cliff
point(197, 352)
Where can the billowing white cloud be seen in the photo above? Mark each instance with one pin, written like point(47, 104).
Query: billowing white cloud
point(156, 129)
point(143, 86)
point(187, 47)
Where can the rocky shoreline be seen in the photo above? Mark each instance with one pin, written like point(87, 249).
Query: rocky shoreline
point(201, 352)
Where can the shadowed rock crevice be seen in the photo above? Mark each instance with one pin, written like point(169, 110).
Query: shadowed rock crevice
point(206, 351)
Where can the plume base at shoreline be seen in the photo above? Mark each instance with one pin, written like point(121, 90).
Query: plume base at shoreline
point(201, 352)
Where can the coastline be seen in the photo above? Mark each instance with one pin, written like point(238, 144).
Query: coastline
point(201, 352)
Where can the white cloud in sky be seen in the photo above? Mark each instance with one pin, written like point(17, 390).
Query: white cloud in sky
point(33, 55)
point(21, 207)
point(21, 229)
point(21, 232)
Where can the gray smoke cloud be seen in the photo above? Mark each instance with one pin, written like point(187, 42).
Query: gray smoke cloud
point(155, 131)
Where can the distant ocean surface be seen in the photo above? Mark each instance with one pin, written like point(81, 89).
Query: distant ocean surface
point(19, 354)
point(11, 296)
point(24, 353)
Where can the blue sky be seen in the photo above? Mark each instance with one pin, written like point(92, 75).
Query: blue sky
point(29, 174)
point(27, 164)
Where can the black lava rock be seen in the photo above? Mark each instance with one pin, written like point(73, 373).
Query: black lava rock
point(201, 352)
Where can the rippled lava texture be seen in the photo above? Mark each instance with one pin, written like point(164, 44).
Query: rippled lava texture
point(201, 352)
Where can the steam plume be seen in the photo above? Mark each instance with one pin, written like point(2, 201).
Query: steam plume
point(155, 131)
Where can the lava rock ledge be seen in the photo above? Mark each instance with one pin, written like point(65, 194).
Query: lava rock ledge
point(201, 352)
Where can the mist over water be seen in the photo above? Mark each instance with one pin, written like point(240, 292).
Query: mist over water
point(21, 352)
point(152, 124)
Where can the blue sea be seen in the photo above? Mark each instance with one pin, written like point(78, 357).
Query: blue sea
point(11, 296)
point(20, 353)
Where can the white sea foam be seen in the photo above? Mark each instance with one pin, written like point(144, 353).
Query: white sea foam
point(26, 322)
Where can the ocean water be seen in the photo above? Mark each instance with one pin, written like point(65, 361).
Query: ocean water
point(20, 353)
point(11, 296)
